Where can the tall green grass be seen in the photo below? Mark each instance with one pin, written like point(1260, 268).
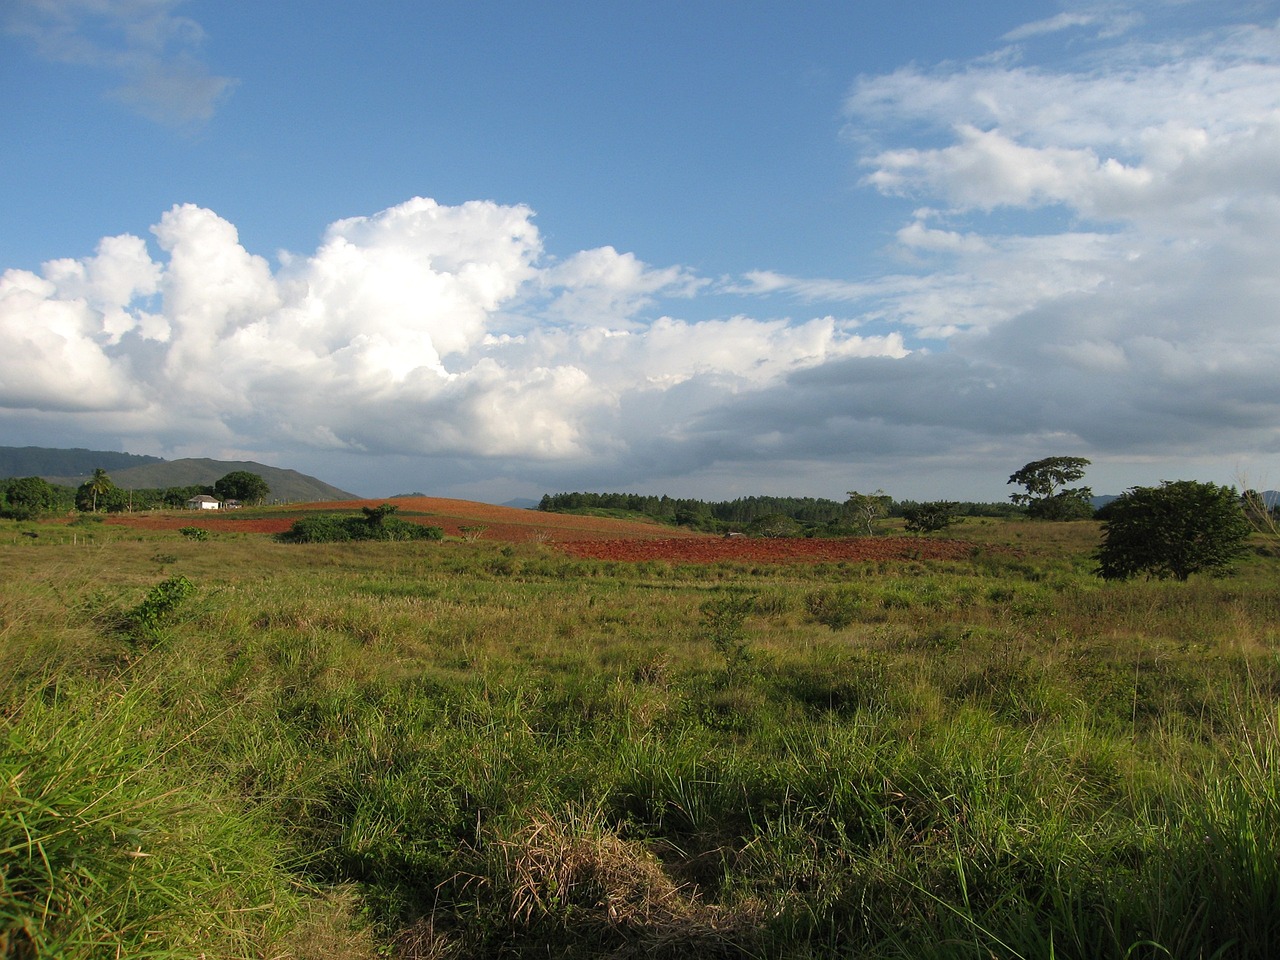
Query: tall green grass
point(468, 749)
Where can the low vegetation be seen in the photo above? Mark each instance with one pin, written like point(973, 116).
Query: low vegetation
point(374, 523)
point(468, 748)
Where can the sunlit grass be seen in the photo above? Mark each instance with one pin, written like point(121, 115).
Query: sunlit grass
point(470, 748)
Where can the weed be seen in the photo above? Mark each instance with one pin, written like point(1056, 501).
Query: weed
point(145, 620)
point(723, 620)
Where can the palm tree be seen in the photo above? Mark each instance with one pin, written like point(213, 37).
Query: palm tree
point(99, 485)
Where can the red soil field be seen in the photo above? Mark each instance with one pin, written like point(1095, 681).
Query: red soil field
point(590, 538)
point(755, 550)
point(506, 524)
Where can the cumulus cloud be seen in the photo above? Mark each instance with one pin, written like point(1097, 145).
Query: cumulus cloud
point(153, 52)
point(423, 329)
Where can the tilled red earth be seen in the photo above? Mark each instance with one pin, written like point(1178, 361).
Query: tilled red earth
point(589, 538)
point(753, 550)
point(458, 518)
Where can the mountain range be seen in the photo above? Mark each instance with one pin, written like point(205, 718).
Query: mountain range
point(70, 468)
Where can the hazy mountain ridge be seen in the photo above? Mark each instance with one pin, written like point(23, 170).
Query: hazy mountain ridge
point(51, 462)
point(133, 472)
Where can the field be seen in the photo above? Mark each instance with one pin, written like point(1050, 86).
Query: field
point(581, 737)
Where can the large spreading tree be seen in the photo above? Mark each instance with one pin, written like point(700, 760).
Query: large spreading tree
point(1047, 495)
point(1174, 530)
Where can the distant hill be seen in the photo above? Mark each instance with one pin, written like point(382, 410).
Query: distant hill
point(49, 462)
point(131, 472)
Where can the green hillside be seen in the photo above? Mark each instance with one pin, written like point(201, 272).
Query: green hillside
point(49, 462)
point(129, 472)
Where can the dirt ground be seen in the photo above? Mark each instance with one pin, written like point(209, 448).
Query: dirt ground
point(594, 538)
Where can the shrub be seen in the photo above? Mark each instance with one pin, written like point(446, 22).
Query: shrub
point(146, 618)
point(375, 523)
point(928, 517)
point(723, 620)
point(1174, 530)
point(194, 533)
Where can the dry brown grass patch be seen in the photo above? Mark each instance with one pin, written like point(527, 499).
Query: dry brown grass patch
point(573, 868)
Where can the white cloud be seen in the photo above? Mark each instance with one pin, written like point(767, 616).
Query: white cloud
point(395, 336)
point(604, 287)
point(151, 51)
point(1061, 21)
point(986, 169)
point(52, 351)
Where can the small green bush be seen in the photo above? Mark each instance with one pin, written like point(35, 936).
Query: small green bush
point(376, 523)
point(194, 533)
point(144, 620)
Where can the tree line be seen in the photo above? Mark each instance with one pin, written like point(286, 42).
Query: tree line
point(23, 498)
point(1170, 531)
point(805, 514)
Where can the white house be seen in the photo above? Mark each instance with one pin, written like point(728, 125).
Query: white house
point(203, 502)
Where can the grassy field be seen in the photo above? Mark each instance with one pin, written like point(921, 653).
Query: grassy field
point(471, 748)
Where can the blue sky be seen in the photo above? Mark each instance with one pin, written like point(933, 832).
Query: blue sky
point(492, 250)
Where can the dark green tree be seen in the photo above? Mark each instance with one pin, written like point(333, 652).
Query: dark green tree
point(928, 517)
point(1047, 495)
point(376, 517)
point(28, 496)
point(243, 486)
point(94, 490)
point(1174, 530)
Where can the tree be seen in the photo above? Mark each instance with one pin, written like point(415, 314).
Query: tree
point(869, 507)
point(243, 486)
point(1048, 497)
point(928, 517)
point(95, 488)
point(1174, 530)
point(774, 525)
point(28, 496)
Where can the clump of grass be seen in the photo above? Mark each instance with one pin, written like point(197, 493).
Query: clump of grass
point(834, 607)
point(106, 852)
point(570, 875)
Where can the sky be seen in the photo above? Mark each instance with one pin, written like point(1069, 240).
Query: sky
point(712, 249)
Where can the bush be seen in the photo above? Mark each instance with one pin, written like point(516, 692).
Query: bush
point(928, 517)
point(1174, 530)
point(194, 533)
point(375, 523)
point(144, 620)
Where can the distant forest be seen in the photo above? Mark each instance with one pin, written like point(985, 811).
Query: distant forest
point(812, 515)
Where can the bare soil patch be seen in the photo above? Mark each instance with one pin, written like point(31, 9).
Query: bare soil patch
point(757, 550)
point(506, 524)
